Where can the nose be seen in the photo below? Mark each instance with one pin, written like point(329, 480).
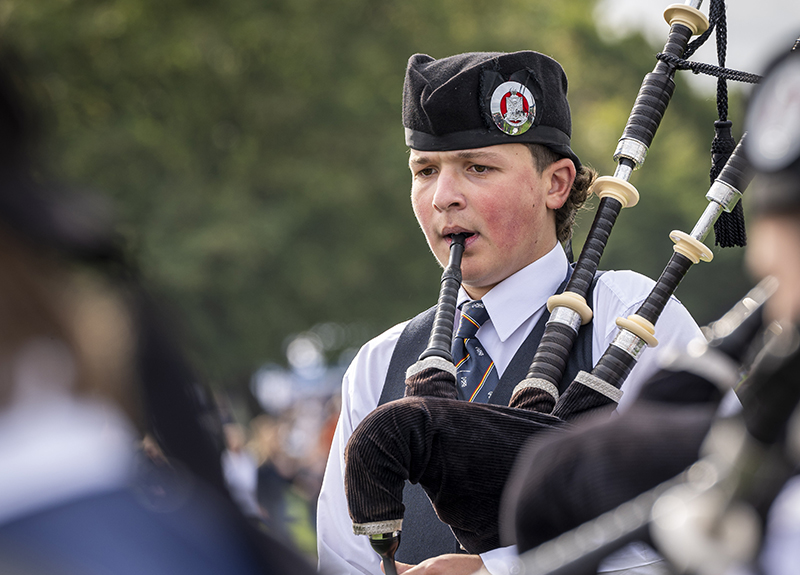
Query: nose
point(447, 195)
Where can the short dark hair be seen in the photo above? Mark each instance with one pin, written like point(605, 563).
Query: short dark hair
point(585, 177)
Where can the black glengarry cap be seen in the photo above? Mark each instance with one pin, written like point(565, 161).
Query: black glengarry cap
point(482, 99)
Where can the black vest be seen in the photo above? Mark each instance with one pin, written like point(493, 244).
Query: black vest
point(424, 535)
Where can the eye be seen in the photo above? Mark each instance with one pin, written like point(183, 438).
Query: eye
point(425, 172)
point(478, 169)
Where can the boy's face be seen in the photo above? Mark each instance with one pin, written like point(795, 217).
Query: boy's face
point(774, 249)
point(497, 195)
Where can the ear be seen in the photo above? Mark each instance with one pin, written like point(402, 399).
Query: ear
point(560, 175)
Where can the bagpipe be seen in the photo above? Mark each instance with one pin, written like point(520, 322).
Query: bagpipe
point(418, 438)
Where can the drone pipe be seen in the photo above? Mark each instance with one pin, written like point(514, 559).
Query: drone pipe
point(600, 388)
point(539, 390)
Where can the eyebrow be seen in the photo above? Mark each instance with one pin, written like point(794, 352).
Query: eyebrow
point(462, 155)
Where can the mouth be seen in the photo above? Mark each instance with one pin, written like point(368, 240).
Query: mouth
point(468, 236)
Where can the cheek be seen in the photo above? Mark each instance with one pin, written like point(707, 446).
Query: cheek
point(418, 205)
point(512, 228)
point(514, 220)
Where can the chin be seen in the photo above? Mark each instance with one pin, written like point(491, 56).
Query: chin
point(477, 285)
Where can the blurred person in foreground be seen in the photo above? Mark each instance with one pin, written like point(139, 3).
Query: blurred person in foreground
point(563, 481)
point(84, 370)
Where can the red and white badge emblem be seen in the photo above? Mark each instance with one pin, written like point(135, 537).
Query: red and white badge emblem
point(513, 108)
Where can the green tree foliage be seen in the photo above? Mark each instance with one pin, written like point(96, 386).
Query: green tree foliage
point(255, 152)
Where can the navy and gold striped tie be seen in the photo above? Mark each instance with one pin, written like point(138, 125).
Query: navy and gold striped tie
point(475, 371)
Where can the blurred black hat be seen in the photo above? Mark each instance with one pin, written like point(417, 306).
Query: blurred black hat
point(76, 224)
point(773, 137)
point(485, 98)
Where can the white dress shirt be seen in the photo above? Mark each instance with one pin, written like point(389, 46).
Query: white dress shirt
point(515, 306)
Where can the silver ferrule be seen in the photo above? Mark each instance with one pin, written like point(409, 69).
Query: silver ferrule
point(694, 3)
point(567, 317)
point(623, 172)
point(725, 195)
point(432, 362)
point(379, 529)
point(630, 343)
point(600, 386)
point(631, 149)
point(706, 221)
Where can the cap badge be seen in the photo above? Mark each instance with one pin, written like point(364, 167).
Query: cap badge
point(513, 108)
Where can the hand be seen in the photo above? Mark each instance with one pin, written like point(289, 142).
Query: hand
point(450, 564)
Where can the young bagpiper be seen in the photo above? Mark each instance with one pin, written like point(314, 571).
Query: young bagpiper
point(490, 158)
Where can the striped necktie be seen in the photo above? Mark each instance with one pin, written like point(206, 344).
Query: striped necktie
point(475, 371)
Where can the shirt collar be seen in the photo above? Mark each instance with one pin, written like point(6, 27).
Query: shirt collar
point(515, 299)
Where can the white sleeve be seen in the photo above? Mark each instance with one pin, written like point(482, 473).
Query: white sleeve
point(620, 294)
point(340, 552)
